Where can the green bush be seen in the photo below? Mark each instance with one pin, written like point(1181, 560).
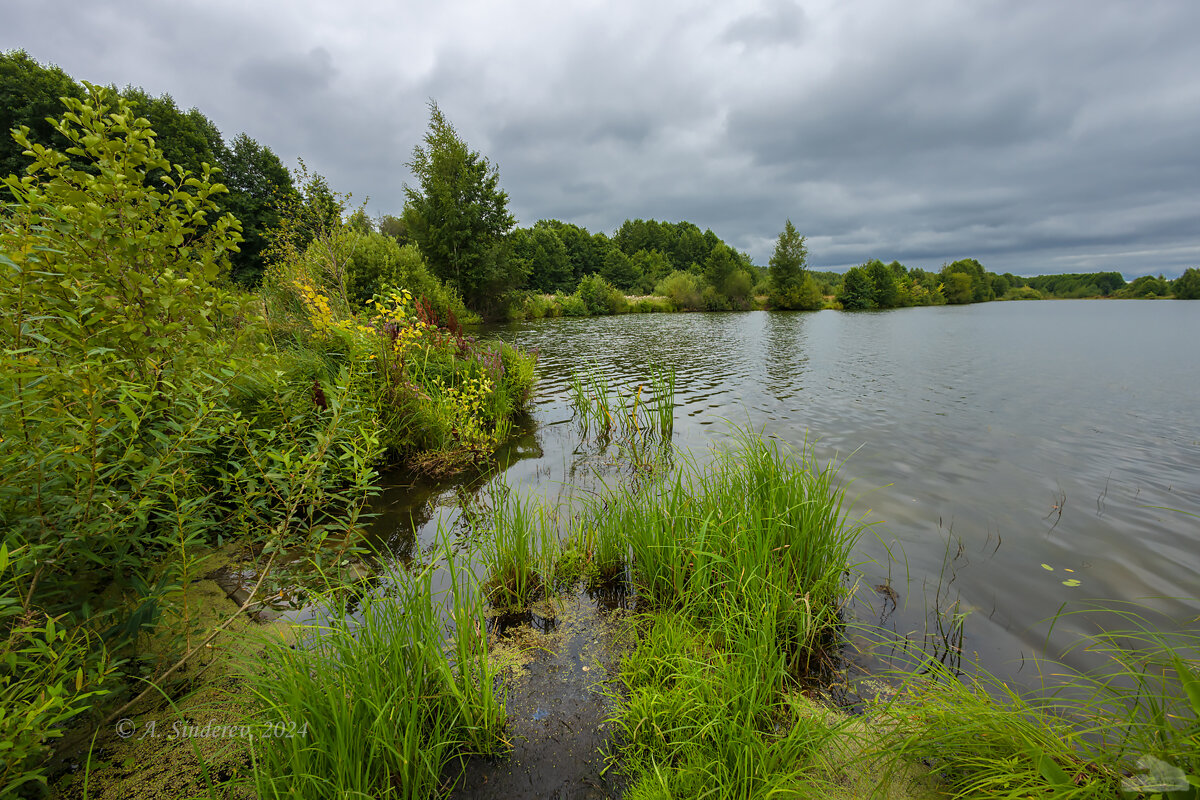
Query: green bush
point(128, 433)
point(683, 289)
point(599, 296)
point(377, 263)
point(572, 305)
point(802, 296)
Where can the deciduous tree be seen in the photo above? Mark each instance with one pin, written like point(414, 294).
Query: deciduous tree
point(459, 217)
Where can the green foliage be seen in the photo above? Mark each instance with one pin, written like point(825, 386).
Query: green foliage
point(976, 289)
point(47, 677)
point(652, 266)
point(682, 242)
point(1129, 728)
point(1187, 285)
point(133, 275)
point(585, 252)
point(1023, 293)
point(599, 297)
point(883, 278)
point(858, 290)
point(957, 288)
point(376, 263)
point(520, 541)
point(1145, 287)
point(549, 265)
point(620, 271)
point(29, 96)
point(1094, 284)
point(258, 183)
point(187, 138)
point(683, 289)
point(376, 708)
point(790, 285)
point(131, 428)
point(439, 399)
point(459, 216)
point(704, 716)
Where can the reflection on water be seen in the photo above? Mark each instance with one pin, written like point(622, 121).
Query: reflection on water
point(1009, 435)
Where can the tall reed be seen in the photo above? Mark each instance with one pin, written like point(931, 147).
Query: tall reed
point(662, 387)
point(647, 409)
point(1130, 728)
point(375, 708)
point(517, 548)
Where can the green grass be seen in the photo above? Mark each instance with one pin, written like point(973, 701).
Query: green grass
point(700, 719)
point(741, 564)
point(377, 704)
point(1131, 725)
point(517, 548)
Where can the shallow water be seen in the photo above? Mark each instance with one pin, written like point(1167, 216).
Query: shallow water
point(1009, 434)
point(985, 443)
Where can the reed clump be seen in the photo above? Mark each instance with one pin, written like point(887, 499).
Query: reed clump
point(373, 702)
point(1129, 729)
point(518, 549)
point(740, 564)
point(647, 409)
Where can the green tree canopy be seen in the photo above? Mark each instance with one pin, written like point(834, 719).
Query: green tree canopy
point(787, 270)
point(1187, 285)
point(548, 262)
point(858, 290)
point(459, 216)
point(887, 293)
point(30, 96)
point(258, 184)
point(187, 138)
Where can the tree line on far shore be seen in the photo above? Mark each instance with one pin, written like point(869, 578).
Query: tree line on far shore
point(457, 218)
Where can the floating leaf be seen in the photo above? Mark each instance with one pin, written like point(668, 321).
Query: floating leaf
point(1048, 567)
point(1072, 582)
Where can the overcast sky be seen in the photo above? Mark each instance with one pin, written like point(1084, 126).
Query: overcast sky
point(1037, 137)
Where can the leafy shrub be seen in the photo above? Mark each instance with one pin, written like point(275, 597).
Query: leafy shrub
point(377, 263)
point(125, 433)
point(683, 289)
point(572, 305)
point(802, 296)
point(599, 296)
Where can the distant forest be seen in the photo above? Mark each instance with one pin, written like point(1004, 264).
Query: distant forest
point(551, 267)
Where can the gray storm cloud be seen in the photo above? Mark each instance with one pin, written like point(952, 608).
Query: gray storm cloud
point(1035, 137)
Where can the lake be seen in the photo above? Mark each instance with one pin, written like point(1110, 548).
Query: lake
point(985, 442)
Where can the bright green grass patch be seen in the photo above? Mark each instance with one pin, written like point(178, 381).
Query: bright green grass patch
point(702, 720)
point(1129, 728)
point(375, 704)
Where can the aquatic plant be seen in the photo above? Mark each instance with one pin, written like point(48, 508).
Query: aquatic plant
point(517, 547)
point(371, 702)
point(1128, 728)
point(704, 716)
point(631, 414)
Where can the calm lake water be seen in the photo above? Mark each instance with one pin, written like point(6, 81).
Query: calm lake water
point(983, 441)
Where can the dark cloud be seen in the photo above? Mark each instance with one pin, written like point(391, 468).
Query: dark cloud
point(1035, 137)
